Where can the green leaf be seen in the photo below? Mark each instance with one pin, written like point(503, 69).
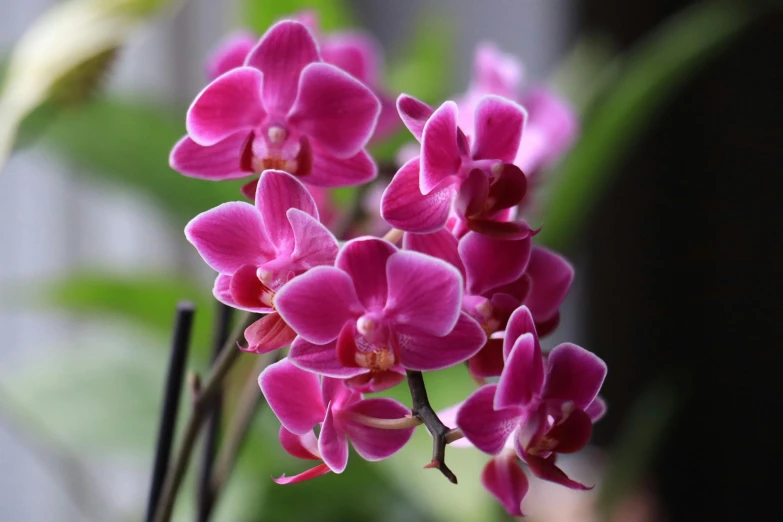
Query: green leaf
point(260, 14)
point(146, 301)
point(647, 78)
point(64, 55)
point(129, 143)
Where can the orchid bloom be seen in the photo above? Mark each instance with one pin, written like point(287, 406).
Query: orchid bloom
point(283, 109)
point(301, 402)
point(473, 175)
point(377, 311)
point(257, 249)
point(551, 124)
point(544, 406)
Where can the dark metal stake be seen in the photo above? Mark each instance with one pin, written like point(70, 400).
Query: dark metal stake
point(204, 496)
point(173, 390)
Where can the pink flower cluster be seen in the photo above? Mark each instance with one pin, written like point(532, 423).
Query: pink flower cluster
point(457, 280)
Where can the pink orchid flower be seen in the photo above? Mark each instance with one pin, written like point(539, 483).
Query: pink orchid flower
point(551, 125)
point(257, 249)
point(302, 447)
point(547, 406)
point(283, 109)
point(377, 311)
point(473, 175)
point(301, 402)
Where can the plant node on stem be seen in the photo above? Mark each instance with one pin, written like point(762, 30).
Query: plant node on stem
point(439, 431)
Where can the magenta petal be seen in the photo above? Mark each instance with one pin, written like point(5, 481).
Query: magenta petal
point(374, 443)
point(277, 192)
point(414, 114)
point(551, 127)
point(229, 236)
point(318, 303)
point(222, 292)
point(355, 53)
point(229, 104)
point(216, 162)
point(508, 188)
point(247, 291)
point(404, 206)
point(425, 352)
point(329, 171)
point(337, 112)
point(550, 278)
point(372, 382)
point(333, 444)
point(230, 54)
point(486, 428)
point(491, 262)
point(574, 375)
point(544, 468)
point(499, 124)
point(425, 293)
point(488, 362)
point(268, 333)
point(321, 469)
point(440, 154)
point(299, 446)
point(364, 259)
point(321, 359)
point(523, 375)
point(441, 244)
point(596, 410)
point(314, 245)
point(519, 323)
point(495, 71)
point(504, 478)
point(281, 54)
point(573, 433)
point(294, 395)
point(500, 229)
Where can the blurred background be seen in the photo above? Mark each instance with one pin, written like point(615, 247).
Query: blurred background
point(667, 205)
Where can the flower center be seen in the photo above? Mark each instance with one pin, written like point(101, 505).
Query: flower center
point(380, 359)
point(274, 147)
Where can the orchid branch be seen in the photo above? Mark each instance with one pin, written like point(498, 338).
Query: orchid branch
point(439, 431)
point(225, 361)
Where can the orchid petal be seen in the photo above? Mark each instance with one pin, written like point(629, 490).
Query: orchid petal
point(321, 469)
point(375, 444)
point(294, 395)
point(488, 362)
point(500, 229)
point(216, 162)
point(330, 171)
point(333, 444)
point(522, 376)
point(596, 410)
point(364, 259)
point(491, 262)
point(414, 114)
point(230, 54)
point(268, 333)
point(574, 374)
point(573, 433)
point(318, 303)
point(440, 154)
point(425, 293)
point(222, 292)
point(544, 468)
point(321, 359)
point(519, 323)
point(404, 206)
point(247, 291)
point(425, 352)
point(441, 244)
point(229, 104)
point(277, 192)
point(285, 49)
point(314, 245)
point(550, 278)
point(504, 478)
point(299, 446)
point(498, 131)
point(485, 427)
point(355, 53)
point(229, 236)
point(335, 110)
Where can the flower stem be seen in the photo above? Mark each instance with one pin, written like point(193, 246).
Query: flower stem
point(168, 417)
point(387, 424)
point(393, 236)
point(438, 430)
point(225, 361)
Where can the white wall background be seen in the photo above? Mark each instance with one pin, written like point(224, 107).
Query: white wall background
point(51, 223)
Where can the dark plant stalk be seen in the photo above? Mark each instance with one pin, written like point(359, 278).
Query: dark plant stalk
point(204, 497)
point(225, 361)
point(439, 431)
point(173, 390)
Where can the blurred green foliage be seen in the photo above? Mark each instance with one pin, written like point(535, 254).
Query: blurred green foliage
point(260, 14)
